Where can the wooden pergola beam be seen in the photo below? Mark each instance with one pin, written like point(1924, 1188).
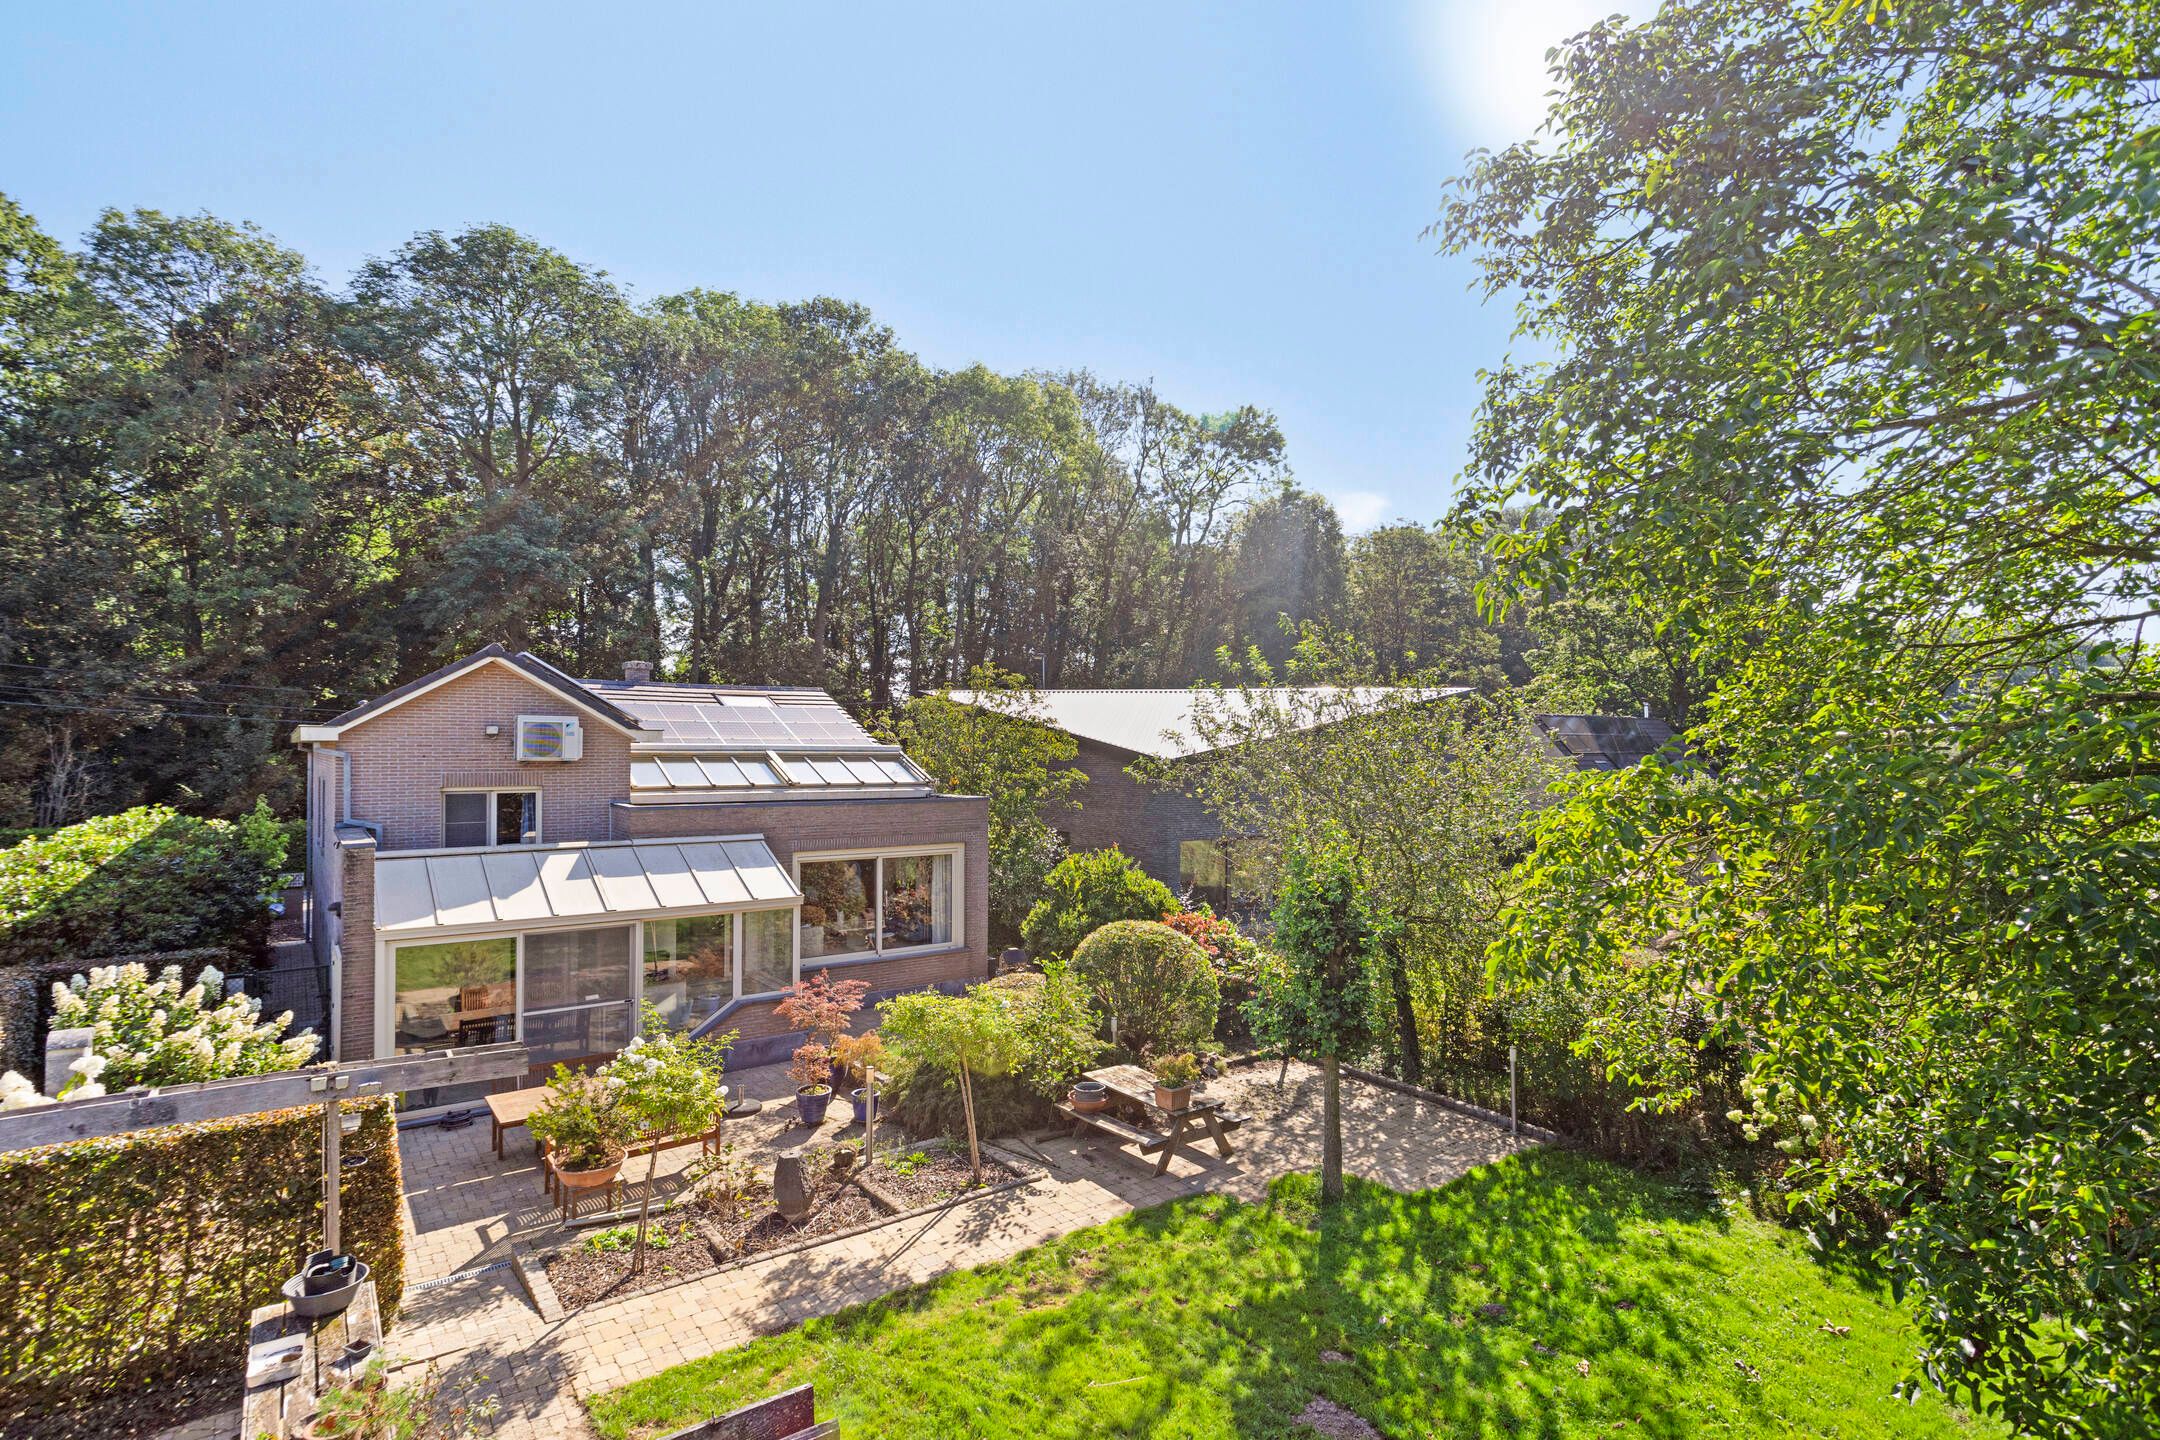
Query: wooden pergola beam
point(254, 1094)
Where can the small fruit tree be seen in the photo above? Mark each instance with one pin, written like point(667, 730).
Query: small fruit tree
point(975, 1034)
point(664, 1083)
point(1321, 1004)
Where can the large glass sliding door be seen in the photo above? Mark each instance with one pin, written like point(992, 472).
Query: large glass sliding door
point(577, 996)
point(449, 996)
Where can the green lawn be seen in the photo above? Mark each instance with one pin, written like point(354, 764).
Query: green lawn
point(1629, 1307)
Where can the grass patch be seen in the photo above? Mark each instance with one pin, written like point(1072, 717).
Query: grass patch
point(1549, 1295)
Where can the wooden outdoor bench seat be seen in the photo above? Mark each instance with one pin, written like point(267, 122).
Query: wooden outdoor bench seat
point(1148, 1140)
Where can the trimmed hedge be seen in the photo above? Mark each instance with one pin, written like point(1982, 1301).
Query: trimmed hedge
point(144, 880)
point(131, 1262)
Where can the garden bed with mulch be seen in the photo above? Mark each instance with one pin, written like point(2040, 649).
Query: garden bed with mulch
point(705, 1233)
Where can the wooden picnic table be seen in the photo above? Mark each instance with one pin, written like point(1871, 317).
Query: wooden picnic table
point(1134, 1089)
point(334, 1351)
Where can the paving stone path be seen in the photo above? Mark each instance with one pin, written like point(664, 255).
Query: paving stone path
point(467, 1318)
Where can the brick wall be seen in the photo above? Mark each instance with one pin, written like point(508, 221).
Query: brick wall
point(1143, 821)
point(356, 944)
point(403, 759)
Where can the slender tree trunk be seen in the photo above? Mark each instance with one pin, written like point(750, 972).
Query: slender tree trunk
point(967, 1107)
point(1413, 1055)
point(637, 1261)
point(1331, 1186)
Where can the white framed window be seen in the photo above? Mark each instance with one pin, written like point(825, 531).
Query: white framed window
point(483, 819)
point(867, 904)
point(698, 965)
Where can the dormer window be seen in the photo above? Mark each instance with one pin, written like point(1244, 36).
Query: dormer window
point(474, 819)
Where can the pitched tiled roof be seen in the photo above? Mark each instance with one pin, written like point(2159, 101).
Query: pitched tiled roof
point(531, 666)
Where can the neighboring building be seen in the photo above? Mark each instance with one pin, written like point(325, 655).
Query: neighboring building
point(1172, 835)
point(498, 851)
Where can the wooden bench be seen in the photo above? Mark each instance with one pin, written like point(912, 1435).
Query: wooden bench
point(333, 1352)
point(790, 1415)
point(1216, 1122)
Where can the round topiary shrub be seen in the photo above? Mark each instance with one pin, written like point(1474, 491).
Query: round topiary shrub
point(1155, 984)
point(1087, 891)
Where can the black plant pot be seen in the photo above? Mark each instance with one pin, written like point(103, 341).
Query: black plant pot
point(315, 1304)
point(810, 1103)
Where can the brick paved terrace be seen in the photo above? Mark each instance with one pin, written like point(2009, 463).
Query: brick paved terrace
point(467, 1316)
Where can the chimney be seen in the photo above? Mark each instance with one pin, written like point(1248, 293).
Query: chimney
point(637, 672)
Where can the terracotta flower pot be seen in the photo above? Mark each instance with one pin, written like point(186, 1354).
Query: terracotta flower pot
point(591, 1179)
point(1089, 1096)
point(1173, 1099)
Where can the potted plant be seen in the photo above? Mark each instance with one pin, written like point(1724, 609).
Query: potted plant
point(1174, 1078)
point(858, 1056)
point(821, 1007)
point(812, 1074)
point(581, 1130)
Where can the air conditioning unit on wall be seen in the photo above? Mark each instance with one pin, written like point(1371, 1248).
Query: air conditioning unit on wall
point(549, 738)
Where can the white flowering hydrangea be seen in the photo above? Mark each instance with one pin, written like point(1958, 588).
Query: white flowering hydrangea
point(146, 1031)
point(17, 1093)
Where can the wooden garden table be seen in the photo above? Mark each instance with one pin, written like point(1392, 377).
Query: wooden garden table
point(1136, 1087)
point(334, 1351)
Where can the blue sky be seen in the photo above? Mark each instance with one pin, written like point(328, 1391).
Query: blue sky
point(1224, 199)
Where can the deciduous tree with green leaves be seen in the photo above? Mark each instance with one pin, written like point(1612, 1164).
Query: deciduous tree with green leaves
point(1433, 791)
point(1322, 1003)
point(1853, 310)
point(999, 747)
point(973, 1034)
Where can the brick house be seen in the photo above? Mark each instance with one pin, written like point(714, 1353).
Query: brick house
point(499, 851)
point(1175, 838)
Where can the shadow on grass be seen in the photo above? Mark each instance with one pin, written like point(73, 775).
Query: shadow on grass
point(1207, 1316)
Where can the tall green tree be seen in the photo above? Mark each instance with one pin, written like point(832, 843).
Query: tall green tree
point(1320, 1004)
point(1287, 569)
point(1412, 598)
point(1854, 313)
point(1004, 751)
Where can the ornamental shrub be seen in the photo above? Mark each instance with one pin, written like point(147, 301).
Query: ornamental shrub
point(155, 1032)
point(974, 1036)
point(1239, 962)
point(143, 880)
point(1055, 1032)
point(1155, 985)
point(1087, 891)
point(128, 1264)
